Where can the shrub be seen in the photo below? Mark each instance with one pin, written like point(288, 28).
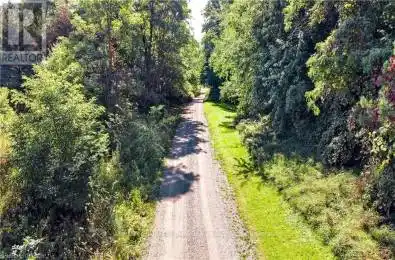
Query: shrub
point(229, 94)
point(329, 200)
point(384, 191)
point(376, 116)
point(104, 193)
point(136, 141)
point(118, 219)
point(57, 142)
point(8, 187)
point(331, 204)
point(132, 224)
point(7, 116)
point(122, 188)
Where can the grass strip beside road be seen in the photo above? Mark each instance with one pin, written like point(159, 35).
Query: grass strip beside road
point(278, 232)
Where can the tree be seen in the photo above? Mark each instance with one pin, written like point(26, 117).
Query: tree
point(212, 30)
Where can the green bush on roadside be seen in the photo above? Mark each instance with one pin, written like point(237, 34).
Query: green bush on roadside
point(8, 188)
point(121, 207)
point(330, 201)
point(73, 174)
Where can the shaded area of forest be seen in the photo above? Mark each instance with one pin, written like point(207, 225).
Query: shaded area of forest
point(313, 83)
point(82, 140)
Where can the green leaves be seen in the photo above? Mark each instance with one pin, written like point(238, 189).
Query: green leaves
point(59, 140)
point(313, 67)
point(233, 56)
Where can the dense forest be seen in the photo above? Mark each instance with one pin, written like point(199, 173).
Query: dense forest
point(83, 138)
point(83, 134)
point(313, 83)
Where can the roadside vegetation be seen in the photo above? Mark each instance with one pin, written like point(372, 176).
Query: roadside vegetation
point(276, 230)
point(82, 140)
point(313, 87)
point(83, 134)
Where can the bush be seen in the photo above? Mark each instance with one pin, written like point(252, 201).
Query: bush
point(104, 192)
point(337, 145)
point(386, 237)
point(118, 219)
point(142, 143)
point(132, 224)
point(229, 94)
point(193, 90)
point(331, 204)
point(8, 188)
point(123, 185)
point(384, 191)
point(331, 201)
point(57, 142)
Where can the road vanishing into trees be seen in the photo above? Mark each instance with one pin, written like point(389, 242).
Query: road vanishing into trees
point(194, 219)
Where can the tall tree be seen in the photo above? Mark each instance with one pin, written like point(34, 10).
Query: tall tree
point(212, 30)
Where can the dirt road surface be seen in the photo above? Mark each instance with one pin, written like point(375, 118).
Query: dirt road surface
point(192, 218)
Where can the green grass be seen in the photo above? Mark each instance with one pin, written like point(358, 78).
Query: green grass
point(277, 231)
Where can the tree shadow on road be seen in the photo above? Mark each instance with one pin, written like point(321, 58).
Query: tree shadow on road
point(186, 140)
point(177, 182)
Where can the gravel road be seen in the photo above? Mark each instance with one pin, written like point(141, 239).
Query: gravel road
point(194, 220)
